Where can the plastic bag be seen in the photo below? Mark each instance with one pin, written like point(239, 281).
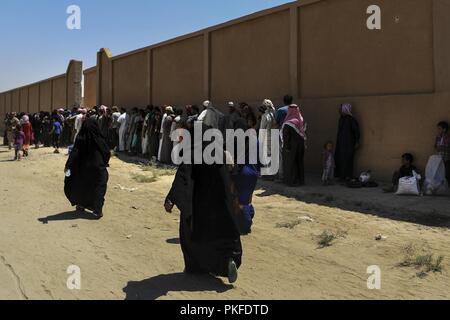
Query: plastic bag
point(435, 181)
point(365, 177)
point(409, 185)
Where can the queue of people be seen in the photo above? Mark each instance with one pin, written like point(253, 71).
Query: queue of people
point(48, 129)
point(147, 133)
point(215, 200)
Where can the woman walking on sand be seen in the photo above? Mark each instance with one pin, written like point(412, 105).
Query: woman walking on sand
point(86, 170)
point(209, 237)
point(209, 234)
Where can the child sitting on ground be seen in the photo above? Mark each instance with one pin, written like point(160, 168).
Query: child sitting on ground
point(328, 164)
point(19, 138)
point(406, 170)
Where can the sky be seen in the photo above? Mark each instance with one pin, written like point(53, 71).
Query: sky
point(36, 44)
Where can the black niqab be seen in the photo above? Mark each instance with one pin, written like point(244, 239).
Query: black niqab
point(87, 184)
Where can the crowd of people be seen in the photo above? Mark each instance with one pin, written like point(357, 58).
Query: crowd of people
point(215, 200)
point(49, 129)
point(147, 133)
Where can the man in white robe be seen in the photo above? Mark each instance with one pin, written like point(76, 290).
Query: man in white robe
point(123, 127)
point(167, 110)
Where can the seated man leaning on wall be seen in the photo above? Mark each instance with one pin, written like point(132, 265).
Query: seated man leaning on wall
point(406, 170)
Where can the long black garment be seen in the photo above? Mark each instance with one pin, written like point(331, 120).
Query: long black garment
point(293, 157)
point(46, 128)
point(347, 139)
point(88, 164)
point(36, 122)
point(209, 236)
point(154, 128)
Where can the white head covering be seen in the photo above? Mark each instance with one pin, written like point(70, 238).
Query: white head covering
point(169, 109)
point(207, 104)
point(210, 116)
point(268, 104)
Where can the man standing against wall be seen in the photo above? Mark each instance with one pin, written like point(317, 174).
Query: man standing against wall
point(280, 116)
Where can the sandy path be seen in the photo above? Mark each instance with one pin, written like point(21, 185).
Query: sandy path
point(279, 263)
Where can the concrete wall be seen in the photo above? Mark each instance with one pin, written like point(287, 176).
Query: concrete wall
point(23, 99)
point(320, 51)
point(130, 85)
point(251, 58)
point(397, 78)
point(59, 93)
point(33, 99)
point(90, 87)
point(104, 84)
point(390, 126)
point(339, 56)
point(8, 102)
point(46, 95)
point(16, 98)
point(177, 79)
point(74, 75)
point(2, 111)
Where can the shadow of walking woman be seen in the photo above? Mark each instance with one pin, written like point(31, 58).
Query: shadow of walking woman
point(159, 286)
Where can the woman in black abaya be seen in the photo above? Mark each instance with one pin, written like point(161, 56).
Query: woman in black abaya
point(347, 143)
point(86, 170)
point(209, 235)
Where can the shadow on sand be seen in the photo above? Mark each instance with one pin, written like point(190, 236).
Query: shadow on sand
point(67, 216)
point(378, 205)
point(130, 158)
point(159, 286)
point(173, 241)
point(140, 160)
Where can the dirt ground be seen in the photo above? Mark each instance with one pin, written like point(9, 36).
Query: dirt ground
point(133, 253)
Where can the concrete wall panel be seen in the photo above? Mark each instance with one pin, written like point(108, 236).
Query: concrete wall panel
point(2, 113)
point(24, 100)
point(340, 56)
point(59, 93)
point(250, 60)
point(390, 126)
point(130, 85)
point(90, 88)
point(8, 101)
point(16, 101)
point(45, 101)
point(178, 73)
point(34, 99)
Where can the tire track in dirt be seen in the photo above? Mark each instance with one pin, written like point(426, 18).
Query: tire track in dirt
point(16, 277)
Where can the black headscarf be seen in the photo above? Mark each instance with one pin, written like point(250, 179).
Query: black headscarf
point(213, 216)
point(90, 140)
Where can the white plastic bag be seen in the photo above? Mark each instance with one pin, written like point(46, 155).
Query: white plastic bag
point(435, 181)
point(365, 177)
point(409, 185)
